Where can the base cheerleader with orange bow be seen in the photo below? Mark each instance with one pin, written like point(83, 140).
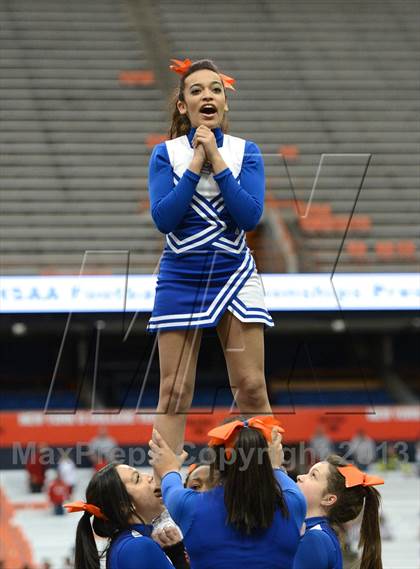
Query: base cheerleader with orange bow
point(253, 513)
point(121, 507)
point(206, 190)
point(336, 492)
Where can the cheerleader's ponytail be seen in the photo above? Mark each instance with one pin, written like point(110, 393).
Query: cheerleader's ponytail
point(370, 537)
point(180, 124)
point(86, 552)
point(355, 492)
point(242, 464)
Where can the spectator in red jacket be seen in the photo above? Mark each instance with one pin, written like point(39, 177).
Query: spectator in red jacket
point(36, 470)
point(58, 493)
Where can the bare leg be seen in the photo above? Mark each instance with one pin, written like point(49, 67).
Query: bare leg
point(178, 354)
point(243, 347)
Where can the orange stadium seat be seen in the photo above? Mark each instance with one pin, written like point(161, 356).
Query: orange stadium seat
point(155, 138)
point(388, 250)
point(334, 223)
point(143, 206)
point(406, 249)
point(359, 222)
point(356, 249)
point(144, 77)
point(289, 151)
point(385, 249)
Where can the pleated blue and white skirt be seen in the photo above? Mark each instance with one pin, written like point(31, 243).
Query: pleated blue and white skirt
point(195, 289)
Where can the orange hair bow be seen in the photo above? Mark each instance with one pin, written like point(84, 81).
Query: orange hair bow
point(191, 468)
point(181, 67)
point(228, 81)
point(355, 477)
point(84, 507)
point(225, 434)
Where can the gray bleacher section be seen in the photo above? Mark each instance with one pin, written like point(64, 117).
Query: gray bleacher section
point(72, 142)
point(329, 77)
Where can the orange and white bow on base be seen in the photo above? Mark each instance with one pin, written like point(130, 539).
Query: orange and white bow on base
point(80, 506)
point(355, 477)
point(181, 67)
point(192, 467)
point(226, 434)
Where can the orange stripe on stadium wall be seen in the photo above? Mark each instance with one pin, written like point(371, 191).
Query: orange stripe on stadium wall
point(128, 427)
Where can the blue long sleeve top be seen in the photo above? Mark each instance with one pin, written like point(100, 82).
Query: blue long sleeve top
point(213, 544)
point(243, 197)
point(135, 549)
point(319, 547)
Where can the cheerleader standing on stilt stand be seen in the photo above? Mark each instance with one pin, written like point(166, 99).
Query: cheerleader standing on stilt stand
point(206, 189)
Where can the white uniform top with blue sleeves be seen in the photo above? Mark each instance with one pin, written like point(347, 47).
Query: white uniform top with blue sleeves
point(206, 266)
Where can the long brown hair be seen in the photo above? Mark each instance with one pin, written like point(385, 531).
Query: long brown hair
point(349, 504)
point(251, 492)
point(181, 124)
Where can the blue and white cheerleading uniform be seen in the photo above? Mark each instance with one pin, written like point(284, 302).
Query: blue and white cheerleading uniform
point(212, 543)
point(135, 549)
point(206, 266)
point(319, 547)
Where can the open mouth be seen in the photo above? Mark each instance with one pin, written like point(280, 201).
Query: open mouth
point(208, 110)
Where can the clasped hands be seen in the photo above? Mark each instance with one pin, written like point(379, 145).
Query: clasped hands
point(204, 144)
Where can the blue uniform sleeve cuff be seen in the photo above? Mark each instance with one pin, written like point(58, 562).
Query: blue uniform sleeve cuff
point(221, 174)
point(192, 175)
point(171, 472)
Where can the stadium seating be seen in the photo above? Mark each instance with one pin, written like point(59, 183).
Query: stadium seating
point(78, 100)
point(312, 81)
point(15, 550)
point(81, 107)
